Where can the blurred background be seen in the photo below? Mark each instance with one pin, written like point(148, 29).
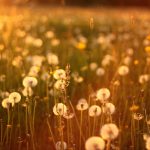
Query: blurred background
point(124, 3)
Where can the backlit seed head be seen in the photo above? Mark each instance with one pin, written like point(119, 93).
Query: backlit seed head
point(6, 103)
point(82, 105)
point(103, 94)
point(123, 70)
point(93, 66)
point(59, 109)
point(94, 111)
point(34, 70)
point(109, 108)
point(61, 145)
point(29, 81)
point(68, 115)
point(52, 59)
point(4, 94)
point(144, 78)
point(130, 51)
point(59, 74)
point(109, 131)
point(95, 143)
point(100, 71)
point(145, 136)
point(60, 85)
point(14, 97)
point(127, 60)
point(137, 116)
point(27, 91)
point(148, 143)
point(134, 108)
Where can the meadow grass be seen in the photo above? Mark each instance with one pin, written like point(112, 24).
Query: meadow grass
point(76, 73)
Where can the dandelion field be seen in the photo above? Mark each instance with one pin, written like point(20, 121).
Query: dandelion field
point(74, 79)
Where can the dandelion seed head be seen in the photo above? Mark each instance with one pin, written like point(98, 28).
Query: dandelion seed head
point(50, 34)
point(82, 105)
point(123, 70)
point(4, 94)
point(93, 66)
point(17, 61)
point(29, 82)
point(127, 60)
point(134, 108)
point(103, 94)
point(143, 78)
point(59, 74)
point(68, 115)
point(55, 42)
point(100, 71)
point(109, 131)
point(137, 116)
point(6, 103)
point(52, 59)
point(14, 97)
point(106, 61)
point(148, 143)
point(60, 85)
point(27, 91)
point(37, 60)
point(34, 70)
point(95, 143)
point(59, 109)
point(61, 145)
point(37, 42)
point(109, 108)
point(145, 136)
point(94, 111)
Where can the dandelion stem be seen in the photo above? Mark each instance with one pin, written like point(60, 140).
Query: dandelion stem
point(68, 131)
point(34, 109)
point(8, 121)
point(61, 132)
point(81, 117)
point(77, 120)
point(31, 126)
point(132, 132)
point(1, 131)
point(19, 120)
point(108, 145)
point(94, 123)
point(50, 130)
point(26, 118)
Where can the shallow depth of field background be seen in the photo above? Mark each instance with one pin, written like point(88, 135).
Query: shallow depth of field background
point(100, 46)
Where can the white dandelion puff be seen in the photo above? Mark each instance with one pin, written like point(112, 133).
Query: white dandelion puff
point(29, 81)
point(27, 91)
point(61, 145)
point(95, 143)
point(59, 74)
point(109, 131)
point(6, 103)
point(60, 85)
point(103, 94)
point(109, 108)
point(94, 110)
point(59, 109)
point(14, 97)
point(82, 105)
point(123, 70)
point(52, 59)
